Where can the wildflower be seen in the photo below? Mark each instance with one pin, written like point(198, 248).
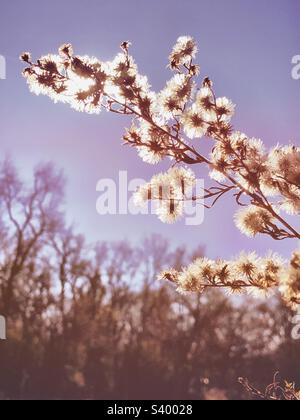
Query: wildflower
point(273, 264)
point(182, 178)
point(205, 99)
point(224, 272)
point(253, 169)
point(142, 195)
point(125, 46)
point(172, 99)
point(283, 177)
point(66, 50)
point(253, 220)
point(123, 66)
point(170, 210)
point(285, 161)
point(247, 273)
point(152, 143)
point(291, 205)
point(82, 90)
point(149, 155)
point(168, 190)
point(26, 57)
point(51, 63)
point(220, 163)
point(196, 276)
point(184, 50)
point(194, 123)
point(247, 265)
point(225, 109)
point(46, 80)
point(237, 141)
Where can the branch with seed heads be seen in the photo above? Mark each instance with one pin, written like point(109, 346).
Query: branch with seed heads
point(165, 122)
point(172, 124)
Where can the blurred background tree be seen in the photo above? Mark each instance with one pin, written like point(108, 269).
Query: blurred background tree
point(92, 322)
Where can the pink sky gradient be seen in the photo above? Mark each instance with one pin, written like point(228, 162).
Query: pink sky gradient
point(245, 46)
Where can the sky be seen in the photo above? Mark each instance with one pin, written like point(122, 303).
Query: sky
point(245, 46)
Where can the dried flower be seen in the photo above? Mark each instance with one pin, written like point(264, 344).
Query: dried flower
point(169, 190)
point(26, 57)
point(253, 220)
point(248, 273)
point(194, 123)
point(173, 98)
point(66, 51)
point(225, 109)
point(184, 50)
